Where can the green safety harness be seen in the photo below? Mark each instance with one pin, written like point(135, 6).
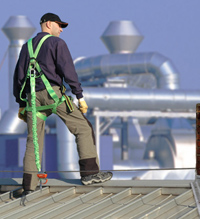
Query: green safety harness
point(34, 71)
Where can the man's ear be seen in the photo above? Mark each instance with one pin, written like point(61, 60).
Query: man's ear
point(48, 24)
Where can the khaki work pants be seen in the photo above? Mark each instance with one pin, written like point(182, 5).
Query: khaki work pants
point(77, 125)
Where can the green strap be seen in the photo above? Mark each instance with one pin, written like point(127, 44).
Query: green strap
point(40, 44)
point(32, 74)
point(32, 55)
point(22, 89)
point(49, 88)
point(33, 66)
point(35, 54)
point(34, 123)
point(30, 48)
point(57, 101)
point(41, 116)
point(39, 108)
point(43, 77)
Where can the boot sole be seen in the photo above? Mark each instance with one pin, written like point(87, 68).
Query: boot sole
point(92, 181)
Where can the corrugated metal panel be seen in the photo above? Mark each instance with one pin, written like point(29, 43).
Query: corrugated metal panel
point(121, 199)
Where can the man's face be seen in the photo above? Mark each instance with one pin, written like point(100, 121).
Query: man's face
point(56, 29)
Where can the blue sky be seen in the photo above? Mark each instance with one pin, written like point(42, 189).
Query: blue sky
point(170, 27)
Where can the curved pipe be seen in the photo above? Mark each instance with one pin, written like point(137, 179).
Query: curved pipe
point(110, 65)
point(141, 99)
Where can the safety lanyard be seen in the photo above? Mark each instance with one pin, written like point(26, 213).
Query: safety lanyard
point(33, 65)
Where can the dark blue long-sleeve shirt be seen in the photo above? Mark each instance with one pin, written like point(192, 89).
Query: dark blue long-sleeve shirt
point(56, 63)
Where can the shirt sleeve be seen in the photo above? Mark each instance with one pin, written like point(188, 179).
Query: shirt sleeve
point(65, 67)
point(19, 76)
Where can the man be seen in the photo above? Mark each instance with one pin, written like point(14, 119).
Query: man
point(57, 65)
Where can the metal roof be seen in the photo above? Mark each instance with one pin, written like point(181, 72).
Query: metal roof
point(112, 199)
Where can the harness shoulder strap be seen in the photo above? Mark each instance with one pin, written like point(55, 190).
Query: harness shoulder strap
point(30, 46)
point(33, 55)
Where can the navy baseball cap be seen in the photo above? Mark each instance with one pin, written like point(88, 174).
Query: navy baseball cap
point(53, 17)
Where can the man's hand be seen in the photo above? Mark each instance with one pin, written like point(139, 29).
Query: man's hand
point(82, 105)
point(22, 116)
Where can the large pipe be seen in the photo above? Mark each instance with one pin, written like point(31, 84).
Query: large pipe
point(67, 156)
point(119, 99)
point(166, 74)
point(18, 29)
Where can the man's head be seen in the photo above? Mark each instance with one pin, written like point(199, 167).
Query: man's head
point(52, 24)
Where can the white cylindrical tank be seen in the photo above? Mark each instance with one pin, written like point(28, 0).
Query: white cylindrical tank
point(18, 29)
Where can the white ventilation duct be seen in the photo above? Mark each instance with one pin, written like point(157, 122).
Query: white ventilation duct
point(121, 37)
point(18, 29)
point(120, 99)
point(99, 67)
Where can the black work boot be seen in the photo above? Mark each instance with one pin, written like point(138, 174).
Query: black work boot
point(96, 178)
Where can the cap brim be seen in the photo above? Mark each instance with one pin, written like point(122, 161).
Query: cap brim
point(62, 24)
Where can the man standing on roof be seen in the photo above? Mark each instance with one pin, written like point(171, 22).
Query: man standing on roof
point(57, 65)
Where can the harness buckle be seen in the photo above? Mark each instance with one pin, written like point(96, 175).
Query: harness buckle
point(32, 72)
point(42, 176)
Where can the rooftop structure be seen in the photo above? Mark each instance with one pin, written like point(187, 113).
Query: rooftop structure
point(113, 199)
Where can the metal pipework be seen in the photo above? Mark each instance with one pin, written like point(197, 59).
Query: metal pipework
point(122, 39)
point(120, 99)
point(93, 68)
point(124, 139)
point(67, 156)
point(18, 29)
